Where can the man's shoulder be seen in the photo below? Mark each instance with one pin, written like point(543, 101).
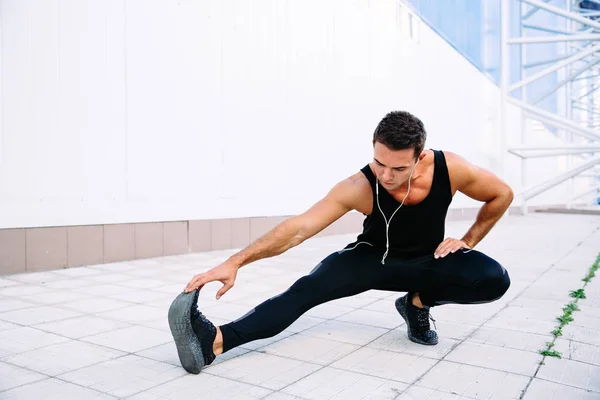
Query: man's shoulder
point(449, 154)
point(356, 182)
point(353, 191)
point(460, 170)
point(454, 160)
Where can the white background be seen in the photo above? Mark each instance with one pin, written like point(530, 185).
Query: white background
point(157, 110)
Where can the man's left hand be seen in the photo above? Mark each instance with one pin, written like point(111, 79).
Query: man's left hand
point(450, 245)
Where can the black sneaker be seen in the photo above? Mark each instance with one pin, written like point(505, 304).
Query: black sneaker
point(194, 334)
point(417, 321)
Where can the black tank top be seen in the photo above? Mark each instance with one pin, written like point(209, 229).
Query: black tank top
point(415, 230)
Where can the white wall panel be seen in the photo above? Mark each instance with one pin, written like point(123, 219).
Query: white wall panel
point(130, 111)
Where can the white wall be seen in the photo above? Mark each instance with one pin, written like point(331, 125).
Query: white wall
point(156, 110)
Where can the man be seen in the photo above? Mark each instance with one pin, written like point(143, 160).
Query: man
point(404, 193)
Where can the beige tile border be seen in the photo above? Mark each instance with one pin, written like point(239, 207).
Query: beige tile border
point(38, 249)
point(13, 251)
point(46, 248)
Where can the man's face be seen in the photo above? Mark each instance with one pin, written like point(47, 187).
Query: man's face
point(392, 167)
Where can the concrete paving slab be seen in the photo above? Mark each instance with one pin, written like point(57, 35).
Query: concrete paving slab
point(100, 331)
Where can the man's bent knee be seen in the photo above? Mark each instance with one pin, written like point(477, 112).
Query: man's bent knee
point(496, 281)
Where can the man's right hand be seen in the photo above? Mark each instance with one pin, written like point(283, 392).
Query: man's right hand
point(224, 273)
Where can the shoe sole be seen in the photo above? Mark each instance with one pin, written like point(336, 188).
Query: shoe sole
point(188, 346)
point(402, 311)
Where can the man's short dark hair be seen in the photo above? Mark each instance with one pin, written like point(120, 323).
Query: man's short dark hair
point(400, 130)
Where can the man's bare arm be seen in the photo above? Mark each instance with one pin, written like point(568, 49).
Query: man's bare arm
point(284, 236)
point(295, 230)
point(482, 185)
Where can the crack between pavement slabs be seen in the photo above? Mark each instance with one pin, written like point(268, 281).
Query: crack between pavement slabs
point(566, 318)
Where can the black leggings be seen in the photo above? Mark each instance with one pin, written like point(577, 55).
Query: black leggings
point(464, 277)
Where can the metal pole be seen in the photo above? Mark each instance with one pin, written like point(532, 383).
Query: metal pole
point(551, 183)
point(567, 80)
point(551, 39)
point(567, 14)
point(569, 104)
point(504, 80)
point(555, 120)
point(524, 169)
point(582, 54)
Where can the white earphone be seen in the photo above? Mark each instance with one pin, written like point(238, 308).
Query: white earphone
point(387, 223)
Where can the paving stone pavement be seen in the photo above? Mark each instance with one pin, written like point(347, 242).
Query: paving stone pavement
point(100, 332)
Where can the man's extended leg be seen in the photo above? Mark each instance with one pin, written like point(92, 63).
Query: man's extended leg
point(344, 273)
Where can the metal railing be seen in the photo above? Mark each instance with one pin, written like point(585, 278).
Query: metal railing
point(574, 117)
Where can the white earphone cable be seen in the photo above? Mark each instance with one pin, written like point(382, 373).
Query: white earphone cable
point(387, 224)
